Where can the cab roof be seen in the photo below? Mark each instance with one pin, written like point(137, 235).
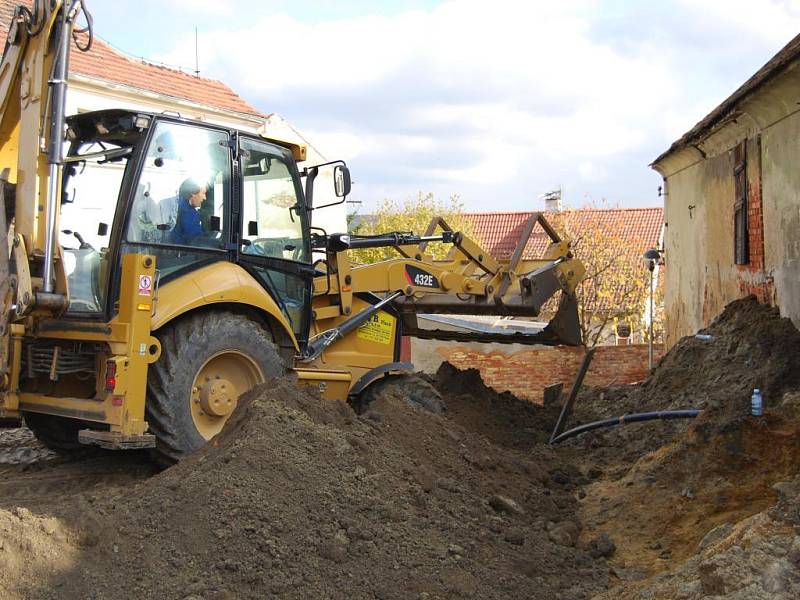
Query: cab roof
point(123, 121)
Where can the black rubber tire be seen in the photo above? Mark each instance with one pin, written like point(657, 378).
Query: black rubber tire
point(185, 347)
point(57, 433)
point(411, 388)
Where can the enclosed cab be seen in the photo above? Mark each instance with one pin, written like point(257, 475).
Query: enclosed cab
point(221, 218)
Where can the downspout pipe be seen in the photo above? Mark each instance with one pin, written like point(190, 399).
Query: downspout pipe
point(55, 151)
point(631, 418)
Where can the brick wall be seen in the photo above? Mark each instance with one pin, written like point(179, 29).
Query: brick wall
point(525, 373)
point(752, 277)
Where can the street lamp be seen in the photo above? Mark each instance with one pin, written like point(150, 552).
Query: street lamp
point(651, 256)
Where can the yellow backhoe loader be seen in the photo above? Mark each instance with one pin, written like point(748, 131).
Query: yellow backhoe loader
point(154, 268)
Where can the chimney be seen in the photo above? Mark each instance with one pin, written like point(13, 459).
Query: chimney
point(552, 201)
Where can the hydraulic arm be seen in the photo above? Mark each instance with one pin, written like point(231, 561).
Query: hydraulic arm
point(469, 281)
point(33, 83)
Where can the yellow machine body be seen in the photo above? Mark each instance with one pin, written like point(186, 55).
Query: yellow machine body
point(339, 333)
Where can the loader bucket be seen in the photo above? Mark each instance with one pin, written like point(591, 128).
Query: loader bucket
point(525, 288)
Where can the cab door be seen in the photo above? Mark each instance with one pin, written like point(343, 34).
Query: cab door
point(274, 229)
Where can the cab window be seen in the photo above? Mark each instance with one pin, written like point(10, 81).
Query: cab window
point(90, 191)
point(182, 196)
point(271, 211)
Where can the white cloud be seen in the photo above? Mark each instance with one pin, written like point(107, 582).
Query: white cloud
point(771, 21)
point(474, 94)
point(590, 171)
point(199, 7)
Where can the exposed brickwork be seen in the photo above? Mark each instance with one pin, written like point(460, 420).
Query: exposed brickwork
point(527, 372)
point(752, 277)
point(755, 225)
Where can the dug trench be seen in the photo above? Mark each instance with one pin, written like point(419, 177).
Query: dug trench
point(302, 498)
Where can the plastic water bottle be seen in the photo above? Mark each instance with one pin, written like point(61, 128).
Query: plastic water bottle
point(756, 403)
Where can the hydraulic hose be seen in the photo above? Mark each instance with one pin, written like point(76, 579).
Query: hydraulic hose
point(57, 103)
point(688, 413)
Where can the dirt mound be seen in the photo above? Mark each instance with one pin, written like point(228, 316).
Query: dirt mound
point(750, 346)
point(500, 416)
point(41, 496)
point(31, 545)
point(667, 486)
point(300, 498)
point(18, 446)
point(757, 558)
point(663, 505)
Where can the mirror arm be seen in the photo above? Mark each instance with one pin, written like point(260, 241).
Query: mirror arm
point(331, 204)
point(311, 175)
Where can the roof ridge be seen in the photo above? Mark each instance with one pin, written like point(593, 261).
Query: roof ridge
point(528, 212)
point(159, 65)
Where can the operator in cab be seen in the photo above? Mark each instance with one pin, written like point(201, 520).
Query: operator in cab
point(188, 224)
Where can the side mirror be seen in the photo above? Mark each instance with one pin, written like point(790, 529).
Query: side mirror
point(341, 180)
point(102, 229)
point(214, 223)
point(252, 228)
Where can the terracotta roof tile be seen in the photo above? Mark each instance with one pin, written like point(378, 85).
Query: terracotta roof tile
point(500, 231)
point(639, 228)
point(105, 63)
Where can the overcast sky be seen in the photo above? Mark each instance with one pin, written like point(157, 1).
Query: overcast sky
point(498, 102)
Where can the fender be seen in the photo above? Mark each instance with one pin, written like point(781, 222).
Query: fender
point(373, 374)
point(221, 282)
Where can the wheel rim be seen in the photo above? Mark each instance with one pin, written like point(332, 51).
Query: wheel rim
point(216, 389)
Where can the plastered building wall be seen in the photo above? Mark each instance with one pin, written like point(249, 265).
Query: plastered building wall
point(780, 163)
point(702, 276)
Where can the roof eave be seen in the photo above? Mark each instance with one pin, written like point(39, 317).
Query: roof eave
point(256, 119)
point(720, 115)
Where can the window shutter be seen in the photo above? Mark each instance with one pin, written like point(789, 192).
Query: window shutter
point(741, 250)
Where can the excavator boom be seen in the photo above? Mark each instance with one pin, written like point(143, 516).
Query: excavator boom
point(469, 281)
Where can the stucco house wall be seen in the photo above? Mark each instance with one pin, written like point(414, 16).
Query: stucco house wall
point(780, 162)
point(698, 171)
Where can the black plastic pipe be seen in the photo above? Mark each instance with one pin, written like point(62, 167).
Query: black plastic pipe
point(688, 413)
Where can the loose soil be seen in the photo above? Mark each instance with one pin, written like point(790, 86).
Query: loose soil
point(302, 498)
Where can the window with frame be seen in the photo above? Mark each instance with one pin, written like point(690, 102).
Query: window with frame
point(273, 227)
point(182, 197)
point(741, 247)
point(272, 213)
point(90, 191)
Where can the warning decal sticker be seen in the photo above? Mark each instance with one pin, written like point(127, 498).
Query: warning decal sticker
point(145, 285)
point(378, 329)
